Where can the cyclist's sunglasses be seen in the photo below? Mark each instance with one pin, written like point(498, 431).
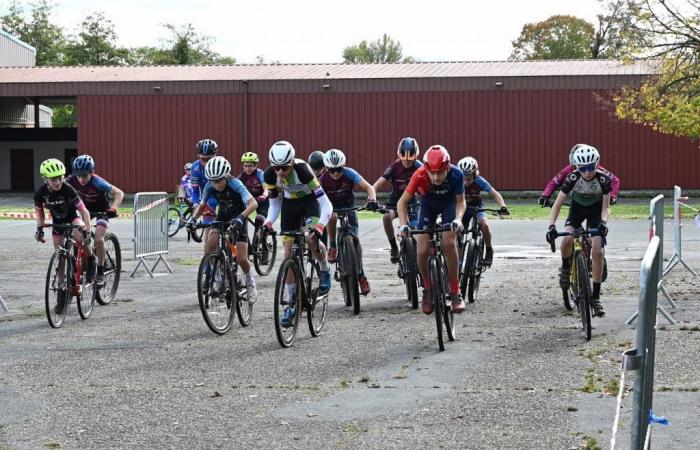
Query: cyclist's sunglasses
point(281, 168)
point(587, 168)
point(218, 180)
point(334, 169)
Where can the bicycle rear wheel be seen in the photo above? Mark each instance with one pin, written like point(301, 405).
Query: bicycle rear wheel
point(350, 273)
point(448, 314)
point(198, 234)
point(112, 270)
point(268, 242)
point(216, 293)
point(476, 270)
point(317, 305)
point(244, 309)
point(584, 295)
point(287, 309)
point(57, 289)
point(88, 292)
point(175, 222)
point(437, 298)
point(410, 279)
point(465, 270)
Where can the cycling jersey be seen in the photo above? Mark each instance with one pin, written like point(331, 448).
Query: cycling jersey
point(94, 193)
point(186, 186)
point(63, 204)
point(452, 185)
point(253, 182)
point(340, 191)
point(232, 200)
point(399, 176)
point(585, 192)
point(559, 178)
point(472, 193)
point(198, 181)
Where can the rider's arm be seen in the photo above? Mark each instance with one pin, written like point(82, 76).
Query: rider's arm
point(371, 194)
point(118, 195)
point(614, 182)
point(402, 207)
point(461, 206)
point(605, 211)
point(39, 208)
point(380, 184)
point(556, 208)
point(498, 197)
point(270, 183)
point(261, 177)
point(557, 181)
point(238, 187)
point(203, 204)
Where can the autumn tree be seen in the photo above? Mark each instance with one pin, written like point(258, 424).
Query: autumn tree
point(558, 37)
point(383, 50)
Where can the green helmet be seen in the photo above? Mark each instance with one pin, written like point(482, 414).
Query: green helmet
point(52, 168)
point(250, 157)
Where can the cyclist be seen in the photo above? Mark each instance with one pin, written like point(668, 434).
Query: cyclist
point(184, 189)
point(590, 201)
point(205, 149)
point(252, 179)
point(297, 194)
point(316, 163)
point(94, 191)
point(66, 208)
point(559, 178)
point(398, 174)
point(235, 204)
point(338, 182)
point(441, 186)
point(474, 184)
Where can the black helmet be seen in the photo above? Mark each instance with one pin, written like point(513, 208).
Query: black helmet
point(206, 147)
point(316, 160)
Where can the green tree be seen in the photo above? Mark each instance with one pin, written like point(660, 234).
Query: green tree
point(383, 50)
point(616, 36)
point(558, 37)
point(95, 43)
point(37, 31)
point(64, 116)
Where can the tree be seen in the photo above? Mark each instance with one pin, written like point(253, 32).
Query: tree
point(383, 50)
point(616, 36)
point(669, 102)
point(95, 43)
point(558, 37)
point(39, 32)
point(64, 116)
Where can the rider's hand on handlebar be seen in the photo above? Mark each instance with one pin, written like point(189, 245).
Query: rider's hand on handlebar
point(315, 230)
point(613, 200)
point(403, 230)
point(39, 235)
point(504, 211)
point(191, 224)
point(552, 234)
point(238, 222)
point(372, 205)
point(111, 213)
point(456, 226)
point(602, 229)
point(544, 201)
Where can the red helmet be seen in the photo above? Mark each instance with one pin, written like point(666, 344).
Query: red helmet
point(436, 159)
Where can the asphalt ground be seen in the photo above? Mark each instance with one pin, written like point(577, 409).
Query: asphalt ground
point(145, 371)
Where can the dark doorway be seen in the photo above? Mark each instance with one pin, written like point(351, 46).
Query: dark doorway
point(22, 169)
point(68, 157)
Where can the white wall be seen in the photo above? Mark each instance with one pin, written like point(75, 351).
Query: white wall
point(42, 151)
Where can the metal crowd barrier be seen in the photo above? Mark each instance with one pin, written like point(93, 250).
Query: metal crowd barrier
point(3, 305)
point(150, 229)
point(677, 225)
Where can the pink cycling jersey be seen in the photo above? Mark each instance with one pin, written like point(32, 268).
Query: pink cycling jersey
point(559, 179)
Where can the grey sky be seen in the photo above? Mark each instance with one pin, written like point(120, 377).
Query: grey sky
point(317, 31)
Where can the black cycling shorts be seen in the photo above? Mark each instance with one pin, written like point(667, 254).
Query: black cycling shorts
point(578, 213)
point(242, 233)
point(299, 212)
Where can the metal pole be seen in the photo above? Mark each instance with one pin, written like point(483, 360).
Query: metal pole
point(3, 306)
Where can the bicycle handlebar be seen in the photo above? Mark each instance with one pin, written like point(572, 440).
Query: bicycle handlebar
point(576, 233)
point(432, 230)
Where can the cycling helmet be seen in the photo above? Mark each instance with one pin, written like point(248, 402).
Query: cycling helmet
point(468, 165)
point(83, 164)
point(52, 168)
point(316, 160)
point(571, 153)
point(207, 147)
point(334, 158)
point(188, 166)
point(217, 168)
point(281, 153)
point(408, 148)
point(585, 154)
point(250, 157)
point(436, 159)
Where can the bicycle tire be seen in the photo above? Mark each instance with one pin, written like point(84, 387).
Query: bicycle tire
point(88, 292)
point(52, 288)
point(410, 278)
point(244, 309)
point(476, 271)
point(436, 299)
point(567, 300)
point(448, 315)
point(584, 291)
point(350, 272)
point(175, 221)
point(198, 234)
point(270, 241)
point(465, 272)
point(112, 270)
point(216, 297)
point(286, 335)
point(317, 306)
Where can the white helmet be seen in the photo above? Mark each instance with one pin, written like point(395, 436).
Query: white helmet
point(571, 153)
point(585, 154)
point(333, 158)
point(281, 153)
point(468, 165)
point(217, 167)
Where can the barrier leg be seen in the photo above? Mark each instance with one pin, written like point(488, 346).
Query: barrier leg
point(667, 295)
point(165, 261)
point(3, 306)
point(688, 268)
point(142, 261)
point(671, 264)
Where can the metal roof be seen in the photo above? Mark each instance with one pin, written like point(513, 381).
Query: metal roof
point(568, 68)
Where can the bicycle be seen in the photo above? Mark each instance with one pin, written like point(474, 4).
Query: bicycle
point(439, 282)
point(218, 283)
point(112, 266)
point(65, 277)
point(471, 254)
point(348, 264)
point(263, 238)
point(408, 266)
point(579, 276)
point(302, 267)
point(178, 217)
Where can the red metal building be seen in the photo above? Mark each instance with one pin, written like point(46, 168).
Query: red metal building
point(519, 119)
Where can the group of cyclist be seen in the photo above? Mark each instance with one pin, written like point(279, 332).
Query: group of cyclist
point(305, 194)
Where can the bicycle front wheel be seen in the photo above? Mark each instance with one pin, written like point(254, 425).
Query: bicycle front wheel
point(112, 270)
point(56, 294)
point(410, 266)
point(198, 234)
point(317, 304)
point(437, 297)
point(175, 222)
point(216, 292)
point(350, 273)
point(244, 309)
point(584, 295)
point(477, 267)
point(88, 292)
point(465, 270)
point(287, 304)
point(264, 253)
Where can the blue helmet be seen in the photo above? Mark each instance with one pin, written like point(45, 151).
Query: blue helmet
point(408, 148)
point(207, 147)
point(83, 164)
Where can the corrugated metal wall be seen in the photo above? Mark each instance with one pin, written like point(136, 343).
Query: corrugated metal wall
point(15, 53)
point(521, 138)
